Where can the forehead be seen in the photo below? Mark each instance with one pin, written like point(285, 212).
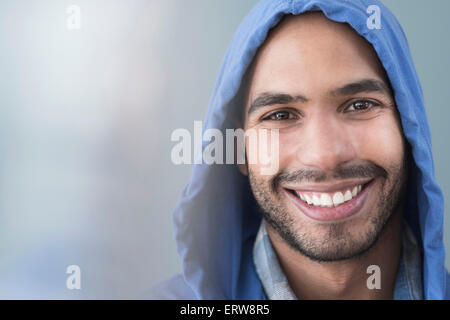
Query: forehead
point(309, 54)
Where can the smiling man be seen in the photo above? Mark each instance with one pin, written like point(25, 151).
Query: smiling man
point(334, 206)
point(354, 198)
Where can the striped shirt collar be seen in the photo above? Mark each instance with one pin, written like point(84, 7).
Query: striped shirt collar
point(408, 285)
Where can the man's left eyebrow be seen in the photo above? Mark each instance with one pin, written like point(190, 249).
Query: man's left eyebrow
point(365, 85)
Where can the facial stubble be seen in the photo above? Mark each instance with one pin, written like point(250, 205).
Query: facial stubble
point(336, 242)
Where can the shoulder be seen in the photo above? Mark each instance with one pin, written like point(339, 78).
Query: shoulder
point(174, 288)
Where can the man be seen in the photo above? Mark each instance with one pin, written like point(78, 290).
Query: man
point(353, 211)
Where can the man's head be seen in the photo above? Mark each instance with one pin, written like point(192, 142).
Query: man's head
point(342, 166)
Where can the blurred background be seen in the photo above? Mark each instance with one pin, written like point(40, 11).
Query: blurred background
point(87, 110)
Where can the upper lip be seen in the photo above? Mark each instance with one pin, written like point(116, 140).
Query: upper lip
point(328, 187)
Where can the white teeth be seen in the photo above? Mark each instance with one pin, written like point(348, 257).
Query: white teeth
point(315, 200)
point(325, 200)
point(308, 199)
point(347, 195)
point(338, 198)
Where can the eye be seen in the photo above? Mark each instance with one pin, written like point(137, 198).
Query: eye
point(361, 105)
point(280, 116)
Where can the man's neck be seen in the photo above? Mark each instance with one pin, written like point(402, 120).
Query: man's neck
point(343, 279)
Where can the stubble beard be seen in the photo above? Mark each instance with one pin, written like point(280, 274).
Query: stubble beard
point(336, 242)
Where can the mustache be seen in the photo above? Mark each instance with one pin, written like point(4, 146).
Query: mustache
point(369, 170)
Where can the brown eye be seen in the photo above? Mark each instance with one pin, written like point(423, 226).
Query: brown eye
point(279, 116)
point(361, 105)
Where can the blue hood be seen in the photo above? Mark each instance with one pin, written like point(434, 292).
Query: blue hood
point(215, 219)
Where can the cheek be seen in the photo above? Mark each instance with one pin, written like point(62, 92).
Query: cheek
point(289, 145)
point(380, 141)
point(263, 150)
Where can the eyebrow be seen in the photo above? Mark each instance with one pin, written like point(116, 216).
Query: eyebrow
point(366, 85)
point(269, 99)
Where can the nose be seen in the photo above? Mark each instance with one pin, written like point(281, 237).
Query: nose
point(326, 143)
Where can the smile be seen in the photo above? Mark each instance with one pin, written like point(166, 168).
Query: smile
point(324, 199)
point(336, 203)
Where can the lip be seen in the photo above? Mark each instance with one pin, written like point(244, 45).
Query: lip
point(343, 211)
point(330, 187)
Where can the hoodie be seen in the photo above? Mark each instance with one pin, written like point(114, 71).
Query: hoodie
point(216, 220)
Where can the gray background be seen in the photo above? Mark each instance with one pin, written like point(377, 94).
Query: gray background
point(86, 175)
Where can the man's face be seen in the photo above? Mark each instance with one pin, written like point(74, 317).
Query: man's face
point(342, 164)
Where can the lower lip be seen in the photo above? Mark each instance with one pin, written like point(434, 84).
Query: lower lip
point(345, 210)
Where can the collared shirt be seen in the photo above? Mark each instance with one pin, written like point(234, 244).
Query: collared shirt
point(408, 284)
